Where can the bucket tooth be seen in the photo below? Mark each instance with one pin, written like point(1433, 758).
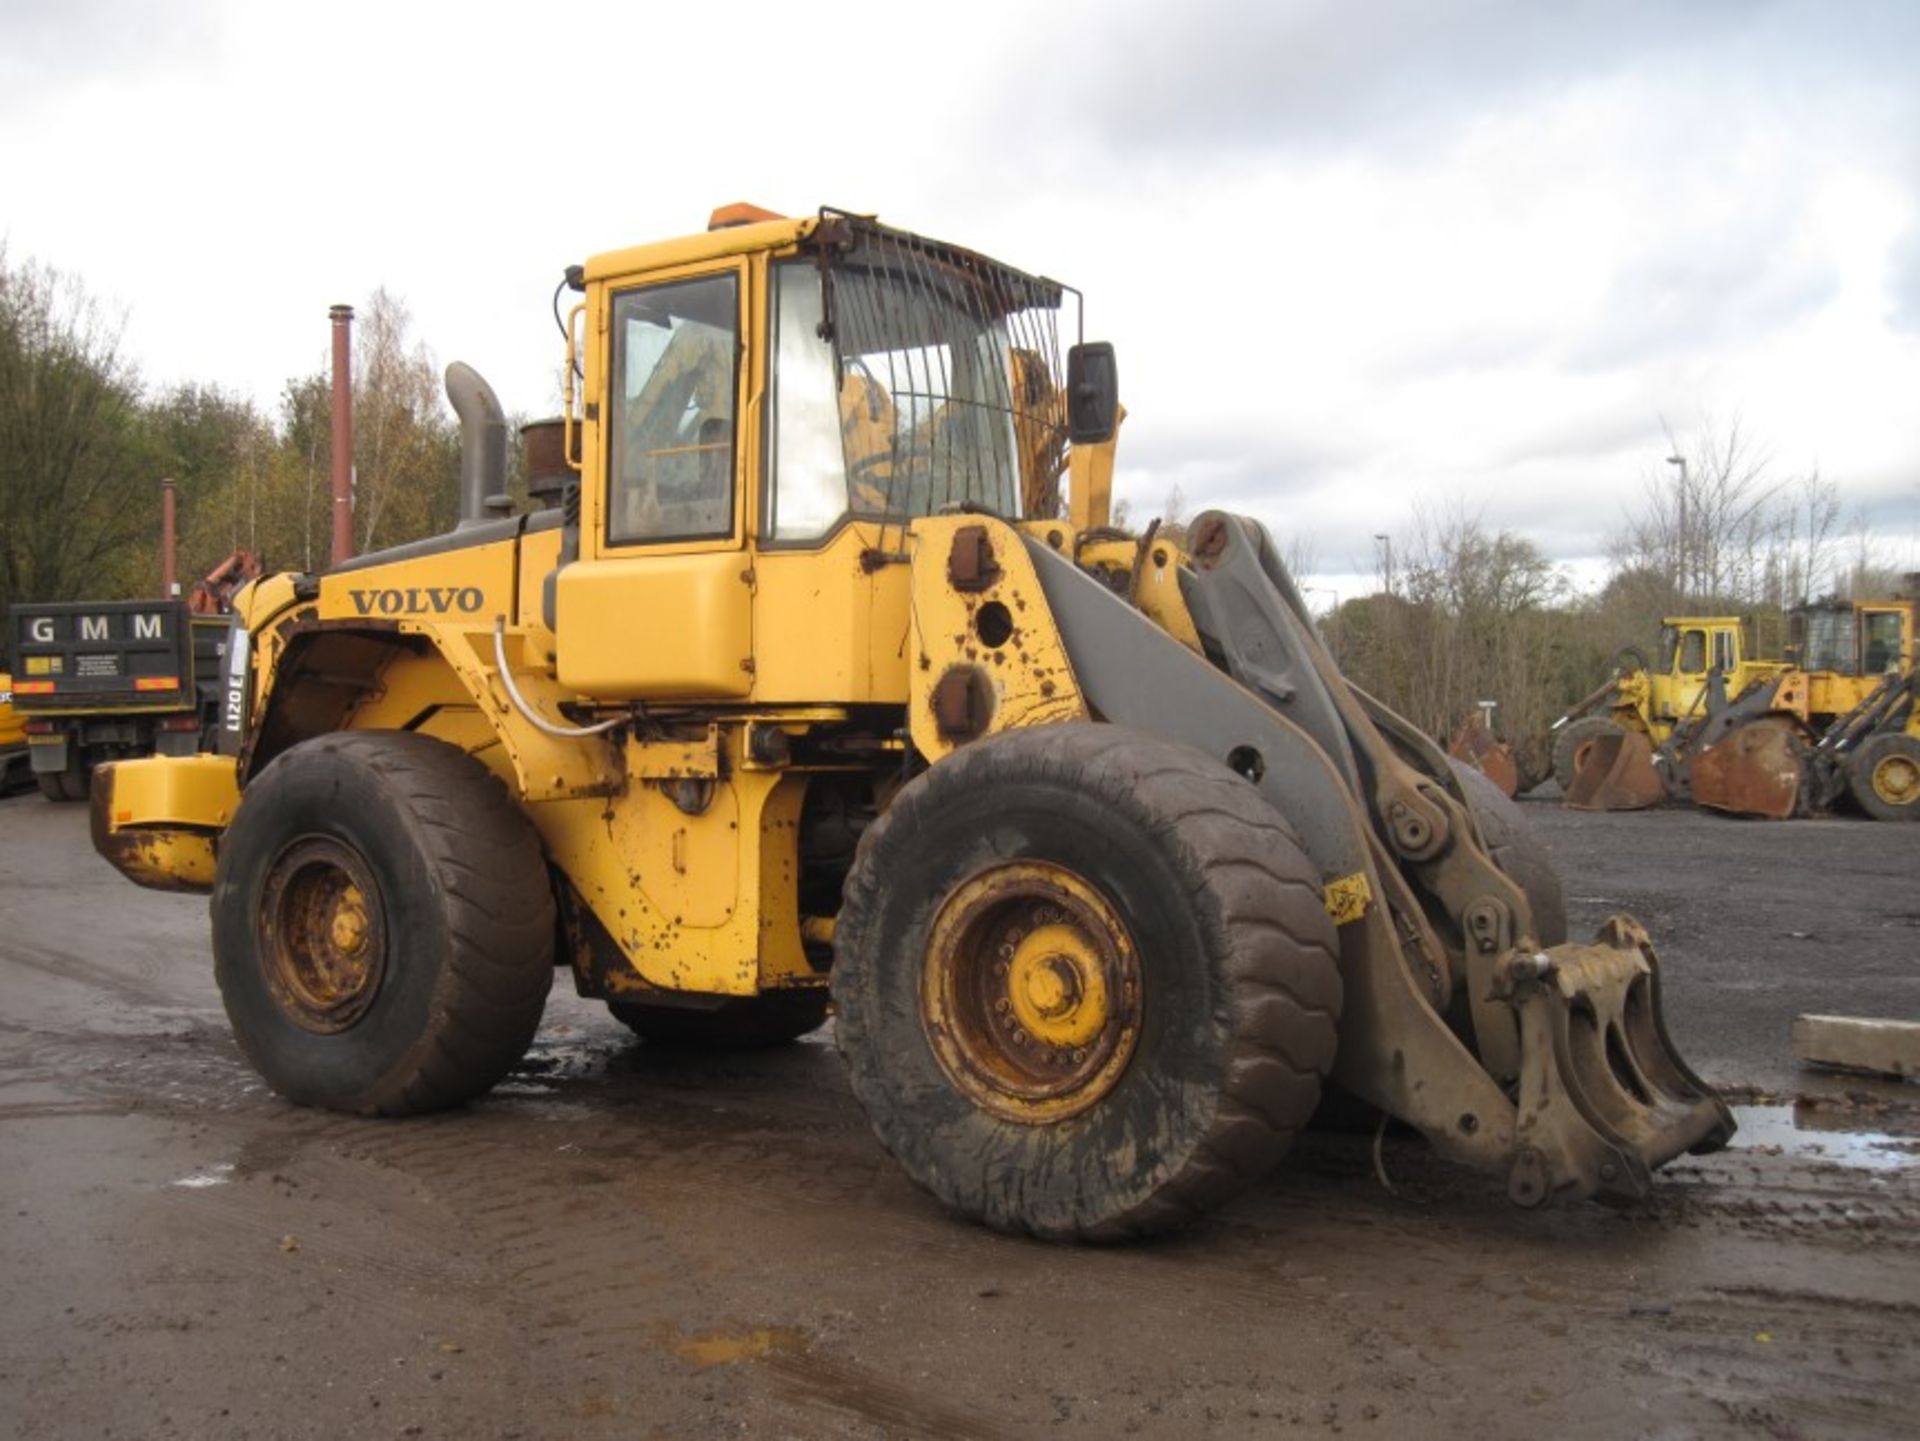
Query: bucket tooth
point(1758, 770)
point(1604, 1099)
point(1617, 774)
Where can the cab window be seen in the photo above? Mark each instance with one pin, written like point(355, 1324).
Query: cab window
point(676, 353)
point(1880, 642)
point(1693, 652)
point(1723, 651)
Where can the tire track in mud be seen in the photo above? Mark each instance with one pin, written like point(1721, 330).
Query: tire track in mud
point(559, 1204)
point(1793, 1363)
point(604, 1192)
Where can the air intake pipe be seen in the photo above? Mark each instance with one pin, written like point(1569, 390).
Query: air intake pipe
point(483, 445)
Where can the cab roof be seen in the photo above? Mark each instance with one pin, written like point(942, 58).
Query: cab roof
point(712, 244)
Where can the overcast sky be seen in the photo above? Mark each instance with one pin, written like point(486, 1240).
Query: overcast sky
point(1356, 257)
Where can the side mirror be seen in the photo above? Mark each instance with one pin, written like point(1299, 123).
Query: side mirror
point(1093, 393)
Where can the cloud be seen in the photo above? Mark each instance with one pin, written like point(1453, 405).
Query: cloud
point(50, 46)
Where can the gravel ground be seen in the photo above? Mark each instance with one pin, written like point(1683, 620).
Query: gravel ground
point(626, 1243)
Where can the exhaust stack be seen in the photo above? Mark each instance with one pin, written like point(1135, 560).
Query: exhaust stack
point(169, 545)
point(483, 445)
point(342, 317)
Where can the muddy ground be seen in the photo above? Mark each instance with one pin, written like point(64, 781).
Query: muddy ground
point(624, 1243)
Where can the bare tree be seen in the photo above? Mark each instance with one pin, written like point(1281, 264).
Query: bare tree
point(1706, 524)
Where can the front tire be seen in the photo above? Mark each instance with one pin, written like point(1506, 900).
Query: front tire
point(1085, 982)
point(1884, 776)
point(382, 925)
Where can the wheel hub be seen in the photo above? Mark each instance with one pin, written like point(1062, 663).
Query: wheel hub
point(322, 935)
point(1896, 780)
point(1031, 991)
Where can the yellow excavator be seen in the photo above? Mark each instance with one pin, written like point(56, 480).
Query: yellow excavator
point(808, 692)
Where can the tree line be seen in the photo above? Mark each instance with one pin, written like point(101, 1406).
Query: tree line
point(84, 444)
point(1466, 613)
point(1463, 612)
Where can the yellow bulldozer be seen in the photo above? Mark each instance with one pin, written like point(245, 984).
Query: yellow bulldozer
point(804, 688)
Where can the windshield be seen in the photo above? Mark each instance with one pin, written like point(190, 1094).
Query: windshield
point(917, 379)
point(1826, 640)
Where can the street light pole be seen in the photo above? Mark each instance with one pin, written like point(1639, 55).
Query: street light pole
point(1681, 548)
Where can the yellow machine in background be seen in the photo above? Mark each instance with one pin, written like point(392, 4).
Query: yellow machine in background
point(1841, 721)
point(808, 686)
point(1774, 738)
point(1704, 660)
point(14, 770)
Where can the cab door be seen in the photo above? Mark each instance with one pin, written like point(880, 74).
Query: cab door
point(659, 606)
point(1688, 672)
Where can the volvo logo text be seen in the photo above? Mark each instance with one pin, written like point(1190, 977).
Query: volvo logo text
point(419, 599)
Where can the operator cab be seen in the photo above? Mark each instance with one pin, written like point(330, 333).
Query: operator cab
point(778, 387)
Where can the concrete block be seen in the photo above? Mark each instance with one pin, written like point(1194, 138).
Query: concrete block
point(1888, 1048)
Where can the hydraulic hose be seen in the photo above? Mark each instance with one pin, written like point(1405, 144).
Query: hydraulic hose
point(533, 718)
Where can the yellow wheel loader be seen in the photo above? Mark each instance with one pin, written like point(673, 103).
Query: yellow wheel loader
point(806, 688)
point(1624, 747)
point(1840, 723)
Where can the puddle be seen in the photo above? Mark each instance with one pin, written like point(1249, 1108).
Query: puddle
point(1804, 1133)
point(218, 1174)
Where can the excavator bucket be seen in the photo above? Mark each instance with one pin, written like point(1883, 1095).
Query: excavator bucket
point(1474, 744)
point(1758, 770)
point(1616, 774)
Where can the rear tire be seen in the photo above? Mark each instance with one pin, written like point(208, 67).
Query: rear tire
point(1006, 889)
point(1571, 745)
point(382, 925)
point(1884, 777)
point(1519, 852)
point(743, 1023)
point(70, 784)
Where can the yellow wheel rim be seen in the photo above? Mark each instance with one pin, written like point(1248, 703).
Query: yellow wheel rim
point(321, 937)
point(1031, 991)
point(1896, 780)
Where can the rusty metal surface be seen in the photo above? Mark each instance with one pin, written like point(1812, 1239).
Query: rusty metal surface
point(971, 567)
point(342, 318)
point(1604, 1099)
point(1758, 770)
point(323, 935)
point(1616, 774)
point(1477, 746)
point(1031, 992)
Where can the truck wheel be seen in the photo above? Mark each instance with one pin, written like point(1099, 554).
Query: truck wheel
point(1085, 982)
point(1884, 776)
point(382, 925)
point(1570, 747)
point(1517, 851)
point(744, 1023)
point(70, 784)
